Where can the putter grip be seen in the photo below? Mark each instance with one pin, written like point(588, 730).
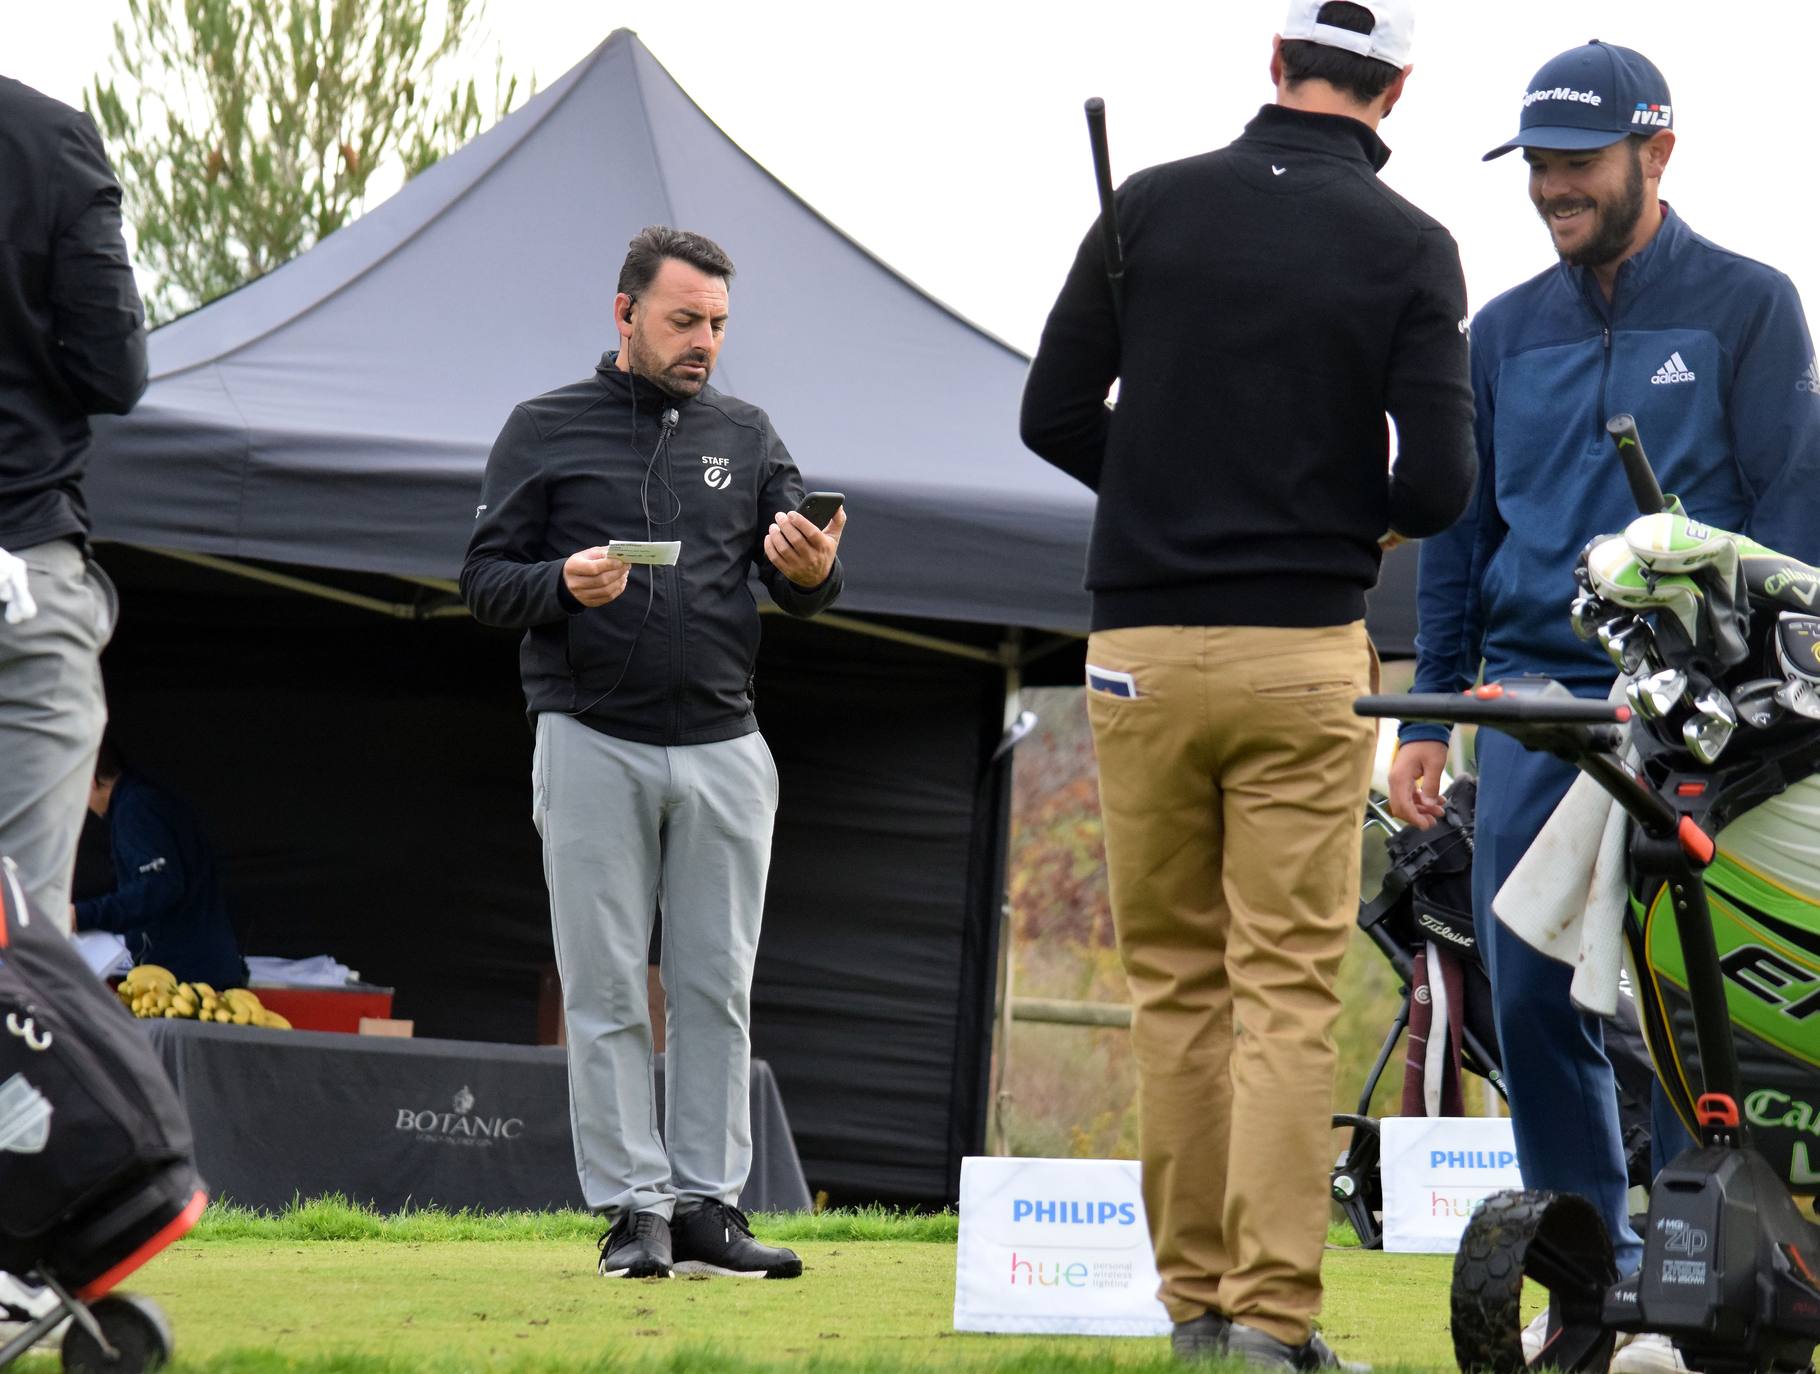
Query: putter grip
point(1644, 489)
point(1102, 175)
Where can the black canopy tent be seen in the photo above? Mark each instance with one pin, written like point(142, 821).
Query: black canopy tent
point(288, 506)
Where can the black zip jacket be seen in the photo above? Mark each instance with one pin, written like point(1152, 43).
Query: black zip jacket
point(1278, 301)
point(72, 331)
point(670, 661)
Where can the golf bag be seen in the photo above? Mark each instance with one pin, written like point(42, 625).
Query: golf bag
point(96, 1160)
point(1719, 637)
point(1416, 908)
point(1714, 760)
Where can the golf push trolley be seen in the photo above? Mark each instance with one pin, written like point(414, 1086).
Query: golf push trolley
point(1715, 758)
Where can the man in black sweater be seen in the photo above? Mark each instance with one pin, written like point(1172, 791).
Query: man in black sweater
point(650, 776)
point(72, 345)
point(1278, 301)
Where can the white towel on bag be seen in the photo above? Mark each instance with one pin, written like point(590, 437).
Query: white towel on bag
point(1567, 895)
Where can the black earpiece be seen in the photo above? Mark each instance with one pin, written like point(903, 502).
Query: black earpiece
point(666, 427)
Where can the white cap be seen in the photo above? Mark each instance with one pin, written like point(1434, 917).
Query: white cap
point(1392, 37)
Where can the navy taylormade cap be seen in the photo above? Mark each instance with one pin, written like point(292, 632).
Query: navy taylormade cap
point(1590, 97)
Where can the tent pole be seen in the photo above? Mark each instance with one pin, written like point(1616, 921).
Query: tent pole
point(397, 610)
point(1000, 1097)
point(405, 610)
point(918, 641)
point(1051, 645)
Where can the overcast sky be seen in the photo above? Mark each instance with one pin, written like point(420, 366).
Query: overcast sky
point(948, 138)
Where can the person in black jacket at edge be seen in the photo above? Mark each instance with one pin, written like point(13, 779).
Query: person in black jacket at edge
point(166, 901)
point(72, 345)
point(1278, 301)
point(649, 775)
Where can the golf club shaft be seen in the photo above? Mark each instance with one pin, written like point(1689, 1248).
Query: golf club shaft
point(1637, 471)
point(1109, 217)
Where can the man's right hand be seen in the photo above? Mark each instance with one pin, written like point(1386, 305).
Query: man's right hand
point(1415, 782)
point(594, 577)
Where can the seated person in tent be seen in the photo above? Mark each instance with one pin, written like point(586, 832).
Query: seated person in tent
point(166, 901)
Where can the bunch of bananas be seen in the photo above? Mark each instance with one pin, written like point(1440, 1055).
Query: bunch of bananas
point(149, 990)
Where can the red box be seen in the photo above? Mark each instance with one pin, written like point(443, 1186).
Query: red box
point(325, 1009)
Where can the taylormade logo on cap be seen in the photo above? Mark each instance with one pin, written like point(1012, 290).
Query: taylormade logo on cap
point(1588, 98)
point(1563, 93)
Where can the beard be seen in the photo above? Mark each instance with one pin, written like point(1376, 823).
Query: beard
point(1617, 221)
point(646, 361)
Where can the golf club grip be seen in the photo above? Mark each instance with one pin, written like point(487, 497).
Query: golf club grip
point(1467, 709)
point(1644, 489)
point(1102, 175)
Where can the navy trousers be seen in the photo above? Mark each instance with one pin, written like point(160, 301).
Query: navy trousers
point(1563, 1095)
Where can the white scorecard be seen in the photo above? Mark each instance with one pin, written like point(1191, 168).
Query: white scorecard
point(663, 553)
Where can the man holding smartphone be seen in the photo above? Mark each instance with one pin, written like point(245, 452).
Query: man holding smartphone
point(650, 778)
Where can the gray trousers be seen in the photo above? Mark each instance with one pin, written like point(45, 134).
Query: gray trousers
point(52, 713)
point(627, 827)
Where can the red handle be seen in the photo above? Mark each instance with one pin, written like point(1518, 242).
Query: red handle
point(1716, 1109)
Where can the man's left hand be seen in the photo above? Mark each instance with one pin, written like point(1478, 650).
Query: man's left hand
point(801, 552)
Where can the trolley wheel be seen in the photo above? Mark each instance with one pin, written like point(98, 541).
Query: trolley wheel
point(134, 1326)
point(1357, 1181)
point(1555, 1239)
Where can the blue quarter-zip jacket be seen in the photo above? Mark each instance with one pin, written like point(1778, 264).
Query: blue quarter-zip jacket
point(166, 901)
point(1710, 351)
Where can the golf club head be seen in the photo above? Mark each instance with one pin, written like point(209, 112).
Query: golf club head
point(1797, 642)
point(1657, 695)
point(1617, 575)
point(1798, 695)
point(1626, 641)
point(1710, 728)
point(1756, 703)
point(1669, 542)
point(1586, 614)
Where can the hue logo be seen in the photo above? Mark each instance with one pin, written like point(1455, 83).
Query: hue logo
point(1069, 1213)
point(1449, 1205)
point(1058, 1274)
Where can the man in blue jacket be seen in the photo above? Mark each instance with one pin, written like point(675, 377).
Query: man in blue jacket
point(1710, 351)
point(166, 900)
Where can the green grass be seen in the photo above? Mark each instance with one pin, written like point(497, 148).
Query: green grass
point(332, 1289)
point(335, 1218)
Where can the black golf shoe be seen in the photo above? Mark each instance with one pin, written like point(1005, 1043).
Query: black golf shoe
point(1203, 1338)
point(638, 1247)
point(716, 1239)
point(1263, 1351)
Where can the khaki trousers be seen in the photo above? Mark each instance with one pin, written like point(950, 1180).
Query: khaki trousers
point(1232, 785)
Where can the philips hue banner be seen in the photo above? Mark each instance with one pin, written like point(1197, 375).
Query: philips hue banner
point(1437, 1171)
point(1056, 1246)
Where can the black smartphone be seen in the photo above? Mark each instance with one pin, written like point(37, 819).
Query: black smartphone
point(818, 507)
